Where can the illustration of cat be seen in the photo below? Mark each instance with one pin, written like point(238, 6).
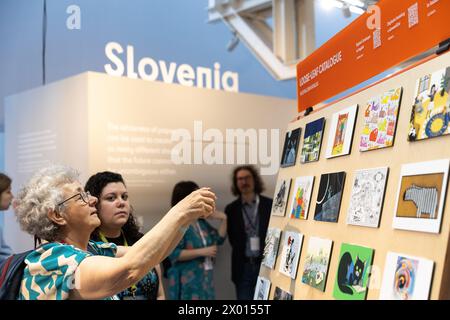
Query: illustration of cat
point(350, 273)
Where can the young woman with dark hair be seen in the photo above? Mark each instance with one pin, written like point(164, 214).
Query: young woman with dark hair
point(119, 226)
point(191, 271)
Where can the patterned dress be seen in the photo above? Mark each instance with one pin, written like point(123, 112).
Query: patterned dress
point(50, 270)
point(189, 280)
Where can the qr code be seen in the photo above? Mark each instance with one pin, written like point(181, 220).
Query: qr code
point(413, 15)
point(376, 38)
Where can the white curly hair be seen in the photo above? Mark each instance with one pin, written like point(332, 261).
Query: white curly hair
point(41, 194)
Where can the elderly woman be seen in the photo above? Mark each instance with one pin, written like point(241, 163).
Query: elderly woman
point(54, 207)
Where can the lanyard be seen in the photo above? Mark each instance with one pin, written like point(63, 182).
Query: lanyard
point(103, 238)
point(133, 288)
point(252, 222)
point(201, 233)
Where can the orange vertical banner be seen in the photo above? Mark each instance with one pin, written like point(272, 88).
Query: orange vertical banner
point(387, 34)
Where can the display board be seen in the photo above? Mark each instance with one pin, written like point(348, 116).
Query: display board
point(377, 223)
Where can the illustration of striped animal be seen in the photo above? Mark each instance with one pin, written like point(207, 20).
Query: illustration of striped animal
point(425, 199)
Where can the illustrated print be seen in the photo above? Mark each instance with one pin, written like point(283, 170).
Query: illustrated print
point(291, 253)
point(367, 197)
point(281, 294)
point(316, 263)
point(262, 289)
point(271, 247)
point(339, 136)
point(380, 120)
point(291, 143)
point(341, 132)
point(329, 197)
point(430, 114)
point(281, 196)
point(301, 197)
point(421, 195)
point(353, 272)
point(312, 140)
point(406, 277)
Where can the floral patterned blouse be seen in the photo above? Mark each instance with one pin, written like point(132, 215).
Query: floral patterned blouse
point(50, 269)
point(190, 280)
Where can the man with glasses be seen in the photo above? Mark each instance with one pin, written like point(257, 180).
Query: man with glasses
point(248, 219)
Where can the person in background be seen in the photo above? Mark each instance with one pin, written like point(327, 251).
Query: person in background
point(54, 207)
point(118, 226)
point(191, 263)
point(248, 219)
point(6, 197)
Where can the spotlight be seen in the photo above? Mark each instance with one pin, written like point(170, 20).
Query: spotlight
point(233, 42)
point(346, 10)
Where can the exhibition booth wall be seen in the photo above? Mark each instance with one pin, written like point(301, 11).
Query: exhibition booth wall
point(154, 133)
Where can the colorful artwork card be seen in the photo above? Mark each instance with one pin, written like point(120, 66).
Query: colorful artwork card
point(317, 261)
point(353, 272)
point(406, 277)
point(312, 140)
point(301, 197)
point(380, 120)
point(341, 132)
point(430, 114)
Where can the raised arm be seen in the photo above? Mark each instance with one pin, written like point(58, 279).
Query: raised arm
point(223, 225)
point(99, 277)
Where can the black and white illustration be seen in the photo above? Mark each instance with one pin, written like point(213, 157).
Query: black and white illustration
point(367, 197)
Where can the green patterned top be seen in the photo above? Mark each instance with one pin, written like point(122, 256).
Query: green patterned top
point(50, 270)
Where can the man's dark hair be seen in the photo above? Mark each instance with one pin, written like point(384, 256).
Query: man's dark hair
point(95, 186)
point(259, 185)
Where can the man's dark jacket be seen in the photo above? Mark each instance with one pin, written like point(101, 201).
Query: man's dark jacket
point(236, 232)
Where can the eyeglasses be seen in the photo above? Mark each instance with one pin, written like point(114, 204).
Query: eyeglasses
point(83, 196)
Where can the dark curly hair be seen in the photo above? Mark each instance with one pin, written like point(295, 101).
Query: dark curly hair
point(181, 190)
point(259, 185)
point(95, 186)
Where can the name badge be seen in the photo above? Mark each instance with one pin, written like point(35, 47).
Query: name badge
point(208, 264)
point(254, 243)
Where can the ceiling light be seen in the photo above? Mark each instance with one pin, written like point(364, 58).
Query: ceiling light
point(233, 42)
